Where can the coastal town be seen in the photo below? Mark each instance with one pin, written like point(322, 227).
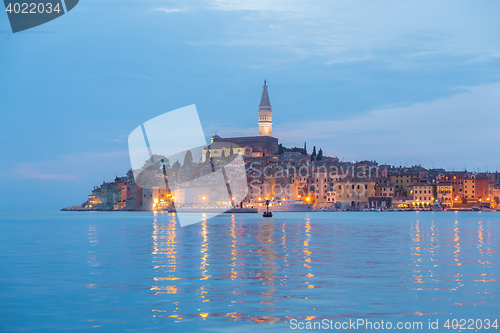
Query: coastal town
point(278, 174)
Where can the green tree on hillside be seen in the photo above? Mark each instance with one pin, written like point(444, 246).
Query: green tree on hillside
point(176, 167)
point(188, 158)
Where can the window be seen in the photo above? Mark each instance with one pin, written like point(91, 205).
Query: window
point(366, 187)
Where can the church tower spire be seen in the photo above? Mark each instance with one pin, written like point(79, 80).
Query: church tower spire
point(265, 114)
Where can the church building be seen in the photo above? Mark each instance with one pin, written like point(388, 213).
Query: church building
point(252, 146)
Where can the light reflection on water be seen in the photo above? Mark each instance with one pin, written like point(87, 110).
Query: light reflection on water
point(142, 271)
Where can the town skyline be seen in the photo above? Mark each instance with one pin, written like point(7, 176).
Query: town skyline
point(356, 84)
point(267, 171)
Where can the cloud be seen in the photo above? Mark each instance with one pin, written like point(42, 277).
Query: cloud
point(70, 167)
point(344, 31)
point(28, 173)
point(169, 10)
point(453, 131)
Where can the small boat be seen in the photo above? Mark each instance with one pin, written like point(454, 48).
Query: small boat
point(288, 206)
point(487, 209)
point(436, 207)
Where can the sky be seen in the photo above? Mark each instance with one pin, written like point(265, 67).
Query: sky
point(400, 82)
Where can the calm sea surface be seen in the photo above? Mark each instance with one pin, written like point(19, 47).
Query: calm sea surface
point(118, 271)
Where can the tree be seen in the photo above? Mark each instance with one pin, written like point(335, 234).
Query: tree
point(176, 167)
point(231, 152)
point(313, 155)
point(154, 163)
point(320, 155)
point(497, 200)
point(223, 154)
point(188, 158)
point(281, 150)
point(207, 156)
point(305, 149)
point(463, 200)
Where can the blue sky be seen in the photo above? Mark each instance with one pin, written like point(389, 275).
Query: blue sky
point(397, 81)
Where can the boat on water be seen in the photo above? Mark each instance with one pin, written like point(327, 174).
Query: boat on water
point(436, 207)
point(287, 206)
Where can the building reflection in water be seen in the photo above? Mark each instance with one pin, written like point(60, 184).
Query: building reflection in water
point(456, 255)
point(234, 251)
point(485, 265)
point(268, 271)
point(165, 262)
point(92, 253)
point(256, 273)
point(307, 253)
point(267, 261)
point(447, 265)
point(93, 243)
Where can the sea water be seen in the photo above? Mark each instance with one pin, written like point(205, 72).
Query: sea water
point(140, 271)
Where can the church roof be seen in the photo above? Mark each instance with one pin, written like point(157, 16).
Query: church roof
point(264, 100)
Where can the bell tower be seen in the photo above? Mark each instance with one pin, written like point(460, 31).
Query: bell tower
point(265, 114)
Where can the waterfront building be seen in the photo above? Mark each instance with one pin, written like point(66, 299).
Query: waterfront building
point(422, 193)
point(470, 186)
point(384, 189)
point(444, 192)
point(324, 190)
point(482, 187)
point(457, 179)
point(133, 196)
point(354, 193)
point(402, 180)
